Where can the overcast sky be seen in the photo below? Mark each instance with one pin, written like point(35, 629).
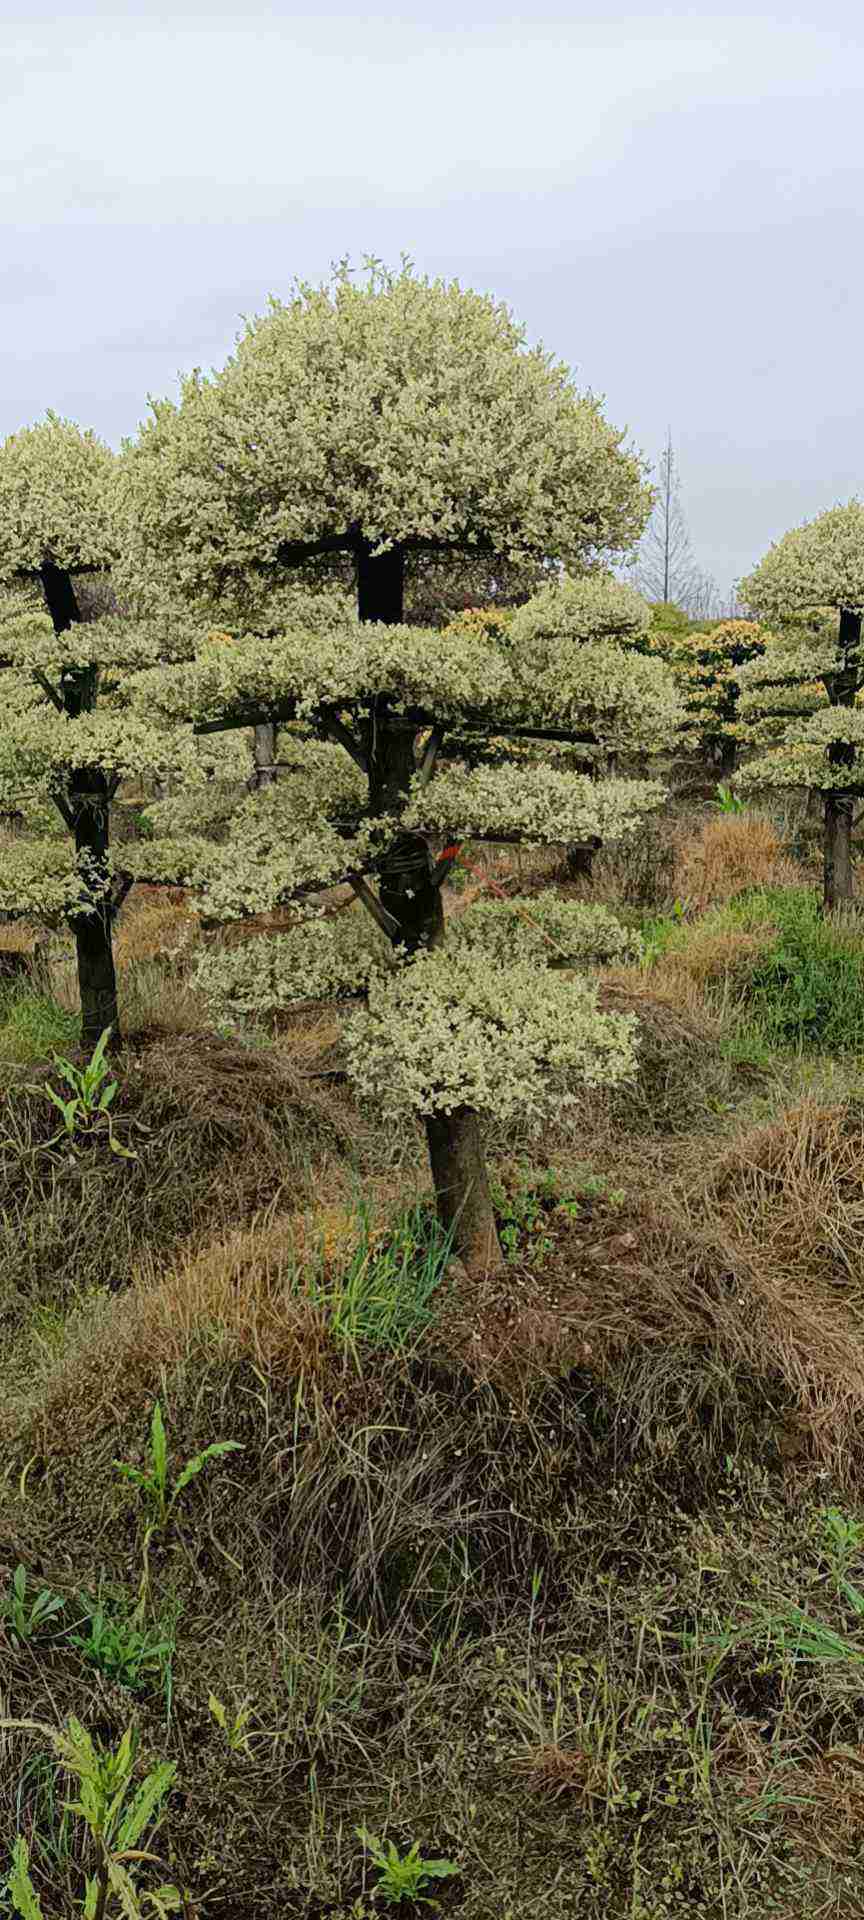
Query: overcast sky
point(669, 199)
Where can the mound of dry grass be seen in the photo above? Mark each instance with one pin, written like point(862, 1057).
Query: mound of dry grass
point(219, 1132)
point(542, 1489)
point(727, 854)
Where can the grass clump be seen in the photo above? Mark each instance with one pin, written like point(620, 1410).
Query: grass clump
point(384, 1295)
point(33, 1026)
point(806, 991)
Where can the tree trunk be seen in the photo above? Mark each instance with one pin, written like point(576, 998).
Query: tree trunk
point(727, 759)
point(580, 859)
point(380, 585)
point(97, 980)
point(406, 889)
point(839, 805)
point(462, 1188)
point(264, 755)
point(89, 803)
point(837, 864)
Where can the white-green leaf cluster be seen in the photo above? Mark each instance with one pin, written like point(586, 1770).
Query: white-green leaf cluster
point(817, 565)
point(55, 499)
point(571, 651)
point(547, 930)
point(511, 1041)
point(329, 959)
point(412, 410)
point(338, 958)
point(530, 802)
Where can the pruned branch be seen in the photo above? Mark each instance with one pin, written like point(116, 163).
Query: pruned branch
point(124, 882)
point(64, 810)
point(427, 765)
point(292, 553)
point(444, 866)
point(417, 718)
point(43, 681)
point(383, 919)
point(341, 734)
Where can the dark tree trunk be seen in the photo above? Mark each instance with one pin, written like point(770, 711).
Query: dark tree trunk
point(839, 806)
point(837, 862)
point(89, 804)
point(380, 584)
point(406, 887)
point(59, 596)
point(97, 980)
point(580, 859)
point(264, 755)
point(407, 892)
point(462, 1188)
point(727, 758)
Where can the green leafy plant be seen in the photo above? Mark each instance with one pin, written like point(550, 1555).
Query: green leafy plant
point(659, 930)
point(526, 1207)
point(844, 1542)
point(27, 1617)
point(384, 1295)
point(403, 1876)
point(806, 991)
point(729, 802)
point(116, 1817)
point(153, 1486)
point(234, 1730)
point(86, 1112)
point(127, 1653)
point(159, 1499)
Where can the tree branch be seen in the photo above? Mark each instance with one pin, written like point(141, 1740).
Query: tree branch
point(64, 810)
point(444, 865)
point(344, 738)
point(292, 553)
point(124, 884)
point(43, 681)
point(427, 765)
point(384, 920)
point(415, 717)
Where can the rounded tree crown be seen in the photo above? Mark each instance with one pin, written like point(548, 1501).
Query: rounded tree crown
point(55, 485)
point(397, 410)
point(817, 565)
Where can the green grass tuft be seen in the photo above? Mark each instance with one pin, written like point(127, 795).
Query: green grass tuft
point(33, 1027)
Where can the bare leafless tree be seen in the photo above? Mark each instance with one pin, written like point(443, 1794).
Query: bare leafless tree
point(664, 567)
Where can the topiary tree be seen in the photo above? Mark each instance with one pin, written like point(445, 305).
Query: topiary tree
point(810, 586)
point(495, 1016)
point(707, 661)
point(385, 421)
point(68, 742)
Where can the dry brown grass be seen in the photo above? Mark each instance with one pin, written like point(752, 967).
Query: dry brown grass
point(726, 855)
point(236, 1298)
point(154, 923)
point(711, 955)
point(221, 1132)
point(552, 1770)
point(729, 1293)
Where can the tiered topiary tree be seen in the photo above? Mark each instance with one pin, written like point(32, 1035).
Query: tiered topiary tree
point(707, 661)
point(497, 1019)
point(67, 741)
point(810, 587)
point(381, 421)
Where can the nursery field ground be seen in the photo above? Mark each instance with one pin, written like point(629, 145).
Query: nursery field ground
point(560, 1576)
